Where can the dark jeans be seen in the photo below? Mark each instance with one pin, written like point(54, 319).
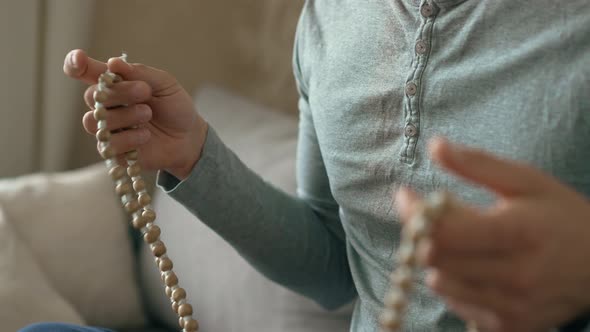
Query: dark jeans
point(61, 327)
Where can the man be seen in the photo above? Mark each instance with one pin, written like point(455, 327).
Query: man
point(378, 80)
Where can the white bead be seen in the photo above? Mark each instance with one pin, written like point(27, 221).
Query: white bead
point(436, 204)
point(417, 228)
point(396, 299)
point(407, 253)
point(390, 320)
point(402, 278)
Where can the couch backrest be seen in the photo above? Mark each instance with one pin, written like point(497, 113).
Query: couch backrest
point(228, 294)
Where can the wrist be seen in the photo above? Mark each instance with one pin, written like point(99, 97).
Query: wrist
point(190, 155)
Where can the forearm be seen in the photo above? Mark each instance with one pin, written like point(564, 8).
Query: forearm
point(280, 235)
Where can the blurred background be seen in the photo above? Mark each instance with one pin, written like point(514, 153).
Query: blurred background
point(243, 46)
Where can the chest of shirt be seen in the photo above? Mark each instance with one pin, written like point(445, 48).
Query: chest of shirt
point(386, 77)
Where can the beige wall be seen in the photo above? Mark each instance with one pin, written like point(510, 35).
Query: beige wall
point(244, 45)
point(18, 87)
point(40, 111)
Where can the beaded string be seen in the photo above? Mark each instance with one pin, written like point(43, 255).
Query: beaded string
point(131, 188)
point(414, 233)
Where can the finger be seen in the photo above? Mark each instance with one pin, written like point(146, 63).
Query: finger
point(504, 177)
point(120, 118)
point(128, 140)
point(123, 93)
point(406, 202)
point(160, 81)
point(498, 304)
point(485, 321)
point(79, 66)
point(497, 269)
point(464, 230)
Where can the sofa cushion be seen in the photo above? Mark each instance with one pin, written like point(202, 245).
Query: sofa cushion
point(228, 294)
point(78, 233)
point(26, 295)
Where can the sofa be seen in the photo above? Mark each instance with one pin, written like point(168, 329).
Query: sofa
point(67, 252)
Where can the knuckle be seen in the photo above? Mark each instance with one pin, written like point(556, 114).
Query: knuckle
point(143, 113)
point(140, 66)
point(112, 59)
point(135, 137)
point(89, 95)
point(141, 90)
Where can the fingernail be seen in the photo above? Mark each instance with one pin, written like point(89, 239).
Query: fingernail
point(73, 61)
point(119, 60)
point(143, 112)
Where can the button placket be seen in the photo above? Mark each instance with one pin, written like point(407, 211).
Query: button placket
point(413, 95)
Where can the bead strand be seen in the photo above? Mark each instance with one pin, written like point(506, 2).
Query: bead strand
point(131, 189)
point(414, 233)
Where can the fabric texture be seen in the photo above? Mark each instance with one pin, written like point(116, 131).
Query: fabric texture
point(26, 296)
point(78, 234)
point(227, 293)
point(378, 80)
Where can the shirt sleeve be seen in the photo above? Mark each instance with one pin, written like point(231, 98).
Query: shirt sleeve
point(295, 241)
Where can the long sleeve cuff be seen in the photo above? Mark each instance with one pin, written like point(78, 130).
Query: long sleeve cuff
point(200, 176)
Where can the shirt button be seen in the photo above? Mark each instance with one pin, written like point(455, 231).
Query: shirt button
point(410, 130)
point(421, 47)
point(411, 89)
point(426, 10)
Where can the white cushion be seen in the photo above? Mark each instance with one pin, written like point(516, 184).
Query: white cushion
point(26, 296)
point(228, 294)
point(78, 233)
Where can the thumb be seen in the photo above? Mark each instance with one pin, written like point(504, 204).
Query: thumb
point(80, 66)
point(160, 81)
point(504, 177)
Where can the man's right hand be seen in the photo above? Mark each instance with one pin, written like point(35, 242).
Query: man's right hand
point(159, 116)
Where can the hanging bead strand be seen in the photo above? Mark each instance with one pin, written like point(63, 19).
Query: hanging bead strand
point(131, 188)
point(414, 233)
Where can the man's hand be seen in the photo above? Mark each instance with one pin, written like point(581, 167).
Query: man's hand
point(158, 118)
point(520, 265)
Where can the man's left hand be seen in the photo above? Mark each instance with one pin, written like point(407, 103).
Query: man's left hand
point(522, 264)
